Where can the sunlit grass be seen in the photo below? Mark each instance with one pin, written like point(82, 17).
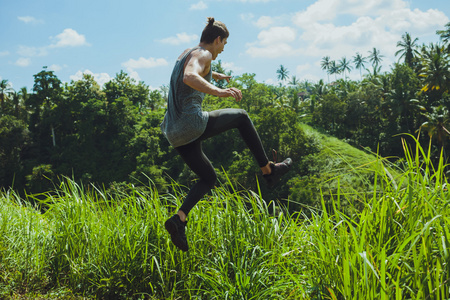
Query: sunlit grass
point(112, 244)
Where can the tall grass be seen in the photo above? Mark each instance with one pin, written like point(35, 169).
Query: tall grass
point(396, 247)
point(112, 245)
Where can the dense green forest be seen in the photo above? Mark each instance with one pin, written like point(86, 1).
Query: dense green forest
point(110, 135)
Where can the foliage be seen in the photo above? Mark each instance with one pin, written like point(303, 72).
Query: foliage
point(395, 248)
point(408, 49)
point(110, 135)
point(386, 243)
point(330, 114)
point(371, 113)
point(14, 136)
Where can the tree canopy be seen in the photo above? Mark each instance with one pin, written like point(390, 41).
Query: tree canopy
point(110, 134)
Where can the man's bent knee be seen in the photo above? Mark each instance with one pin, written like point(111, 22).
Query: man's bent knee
point(243, 115)
point(211, 180)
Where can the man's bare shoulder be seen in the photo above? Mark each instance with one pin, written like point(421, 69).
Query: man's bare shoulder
point(202, 55)
point(184, 53)
point(199, 58)
point(199, 53)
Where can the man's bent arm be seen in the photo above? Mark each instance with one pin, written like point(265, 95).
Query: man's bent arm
point(193, 74)
point(193, 78)
point(220, 76)
point(197, 82)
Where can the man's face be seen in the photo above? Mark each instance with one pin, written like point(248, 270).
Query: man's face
point(220, 46)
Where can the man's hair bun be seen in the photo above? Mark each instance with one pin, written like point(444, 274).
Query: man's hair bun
point(210, 21)
point(212, 30)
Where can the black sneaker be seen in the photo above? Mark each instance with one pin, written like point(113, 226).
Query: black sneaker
point(176, 228)
point(278, 170)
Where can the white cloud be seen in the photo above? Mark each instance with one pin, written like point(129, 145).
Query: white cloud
point(413, 20)
point(133, 74)
point(247, 16)
point(180, 38)
point(321, 10)
point(32, 51)
point(390, 15)
point(328, 10)
point(274, 42)
point(271, 51)
point(199, 6)
point(270, 81)
point(276, 35)
point(69, 38)
point(30, 20)
point(144, 63)
point(264, 22)
point(364, 34)
point(328, 36)
point(23, 62)
point(55, 68)
point(79, 75)
point(230, 66)
point(340, 28)
point(4, 53)
point(382, 32)
point(371, 7)
point(100, 78)
point(302, 68)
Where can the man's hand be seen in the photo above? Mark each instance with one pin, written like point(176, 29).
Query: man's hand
point(220, 76)
point(231, 92)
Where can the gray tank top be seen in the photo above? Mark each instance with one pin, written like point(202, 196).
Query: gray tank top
point(184, 120)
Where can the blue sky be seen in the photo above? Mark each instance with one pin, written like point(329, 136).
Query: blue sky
point(144, 38)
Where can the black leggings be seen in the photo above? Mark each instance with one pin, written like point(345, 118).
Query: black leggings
point(192, 153)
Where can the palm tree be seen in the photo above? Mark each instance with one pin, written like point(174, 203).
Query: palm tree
point(435, 72)
point(5, 90)
point(403, 106)
point(438, 124)
point(375, 57)
point(359, 61)
point(344, 65)
point(445, 36)
point(319, 88)
point(334, 69)
point(306, 85)
point(375, 72)
point(326, 64)
point(294, 81)
point(408, 49)
point(23, 93)
point(283, 73)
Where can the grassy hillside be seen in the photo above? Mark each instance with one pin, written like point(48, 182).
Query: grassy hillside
point(112, 245)
point(336, 167)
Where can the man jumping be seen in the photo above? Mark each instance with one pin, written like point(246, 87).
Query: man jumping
point(185, 125)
